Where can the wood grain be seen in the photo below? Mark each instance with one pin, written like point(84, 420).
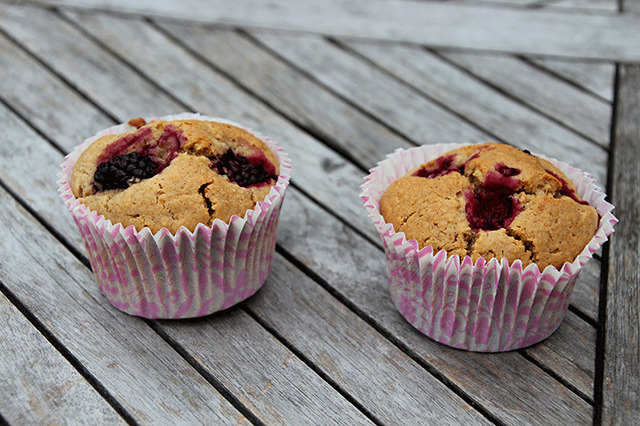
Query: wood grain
point(265, 376)
point(352, 354)
point(621, 397)
point(594, 77)
point(356, 270)
point(120, 351)
point(336, 120)
point(588, 115)
point(38, 385)
point(501, 116)
point(506, 29)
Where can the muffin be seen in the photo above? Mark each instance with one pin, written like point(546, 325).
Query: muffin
point(492, 201)
point(484, 243)
point(168, 174)
point(178, 214)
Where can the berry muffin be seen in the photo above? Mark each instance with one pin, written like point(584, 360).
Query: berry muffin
point(178, 214)
point(492, 201)
point(484, 243)
point(168, 174)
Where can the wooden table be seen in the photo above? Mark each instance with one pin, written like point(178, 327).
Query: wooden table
point(339, 84)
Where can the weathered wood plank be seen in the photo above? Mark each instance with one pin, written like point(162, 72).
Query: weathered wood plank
point(214, 95)
point(491, 110)
point(259, 371)
point(24, 85)
point(571, 353)
point(74, 56)
point(357, 358)
point(621, 387)
point(224, 342)
point(595, 77)
point(506, 29)
point(120, 351)
point(335, 120)
point(31, 394)
point(587, 115)
point(356, 270)
point(586, 293)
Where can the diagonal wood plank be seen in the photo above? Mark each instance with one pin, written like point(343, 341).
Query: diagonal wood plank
point(621, 385)
point(496, 114)
point(356, 270)
point(586, 114)
point(120, 352)
point(30, 393)
point(486, 27)
point(594, 77)
point(268, 387)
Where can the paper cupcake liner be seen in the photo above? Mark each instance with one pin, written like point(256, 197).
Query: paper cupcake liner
point(189, 274)
point(489, 306)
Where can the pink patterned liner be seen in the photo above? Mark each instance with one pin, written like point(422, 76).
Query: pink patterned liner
point(189, 274)
point(487, 306)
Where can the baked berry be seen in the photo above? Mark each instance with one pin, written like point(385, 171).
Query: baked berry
point(123, 170)
point(492, 206)
point(444, 166)
point(240, 170)
point(566, 191)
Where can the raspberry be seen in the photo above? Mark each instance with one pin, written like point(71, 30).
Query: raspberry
point(492, 206)
point(239, 170)
point(444, 166)
point(123, 170)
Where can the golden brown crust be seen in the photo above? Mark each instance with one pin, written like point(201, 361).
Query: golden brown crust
point(188, 191)
point(548, 225)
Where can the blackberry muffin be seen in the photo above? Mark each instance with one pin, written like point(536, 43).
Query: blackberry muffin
point(178, 214)
point(168, 174)
point(492, 201)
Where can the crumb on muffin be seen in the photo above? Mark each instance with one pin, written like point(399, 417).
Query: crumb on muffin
point(492, 201)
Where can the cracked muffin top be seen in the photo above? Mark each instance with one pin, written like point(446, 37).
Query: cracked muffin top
point(492, 201)
point(167, 174)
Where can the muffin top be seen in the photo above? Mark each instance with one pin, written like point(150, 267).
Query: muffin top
point(167, 174)
point(492, 201)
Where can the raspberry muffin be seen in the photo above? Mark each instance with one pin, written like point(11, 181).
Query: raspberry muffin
point(484, 243)
point(492, 201)
point(167, 174)
point(178, 214)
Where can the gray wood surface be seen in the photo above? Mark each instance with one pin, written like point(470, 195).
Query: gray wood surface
point(321, 342)
point(39, 385)
point(496, 28)
point(621, 383)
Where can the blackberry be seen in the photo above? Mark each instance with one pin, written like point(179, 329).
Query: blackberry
point(239, 170)
point(123, 170)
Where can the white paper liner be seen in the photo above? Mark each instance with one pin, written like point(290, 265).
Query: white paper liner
point(189, 274)
point(487, 306)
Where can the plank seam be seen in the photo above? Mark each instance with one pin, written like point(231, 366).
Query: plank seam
point(523, 103)
point(567, 80)
point(210, 378)
point(71, 359)
point(58, 75)
point(524, 353)
point(323, 86)
point(601, 331)
point(386, 334)
point(327, 378)
point(129, 65)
